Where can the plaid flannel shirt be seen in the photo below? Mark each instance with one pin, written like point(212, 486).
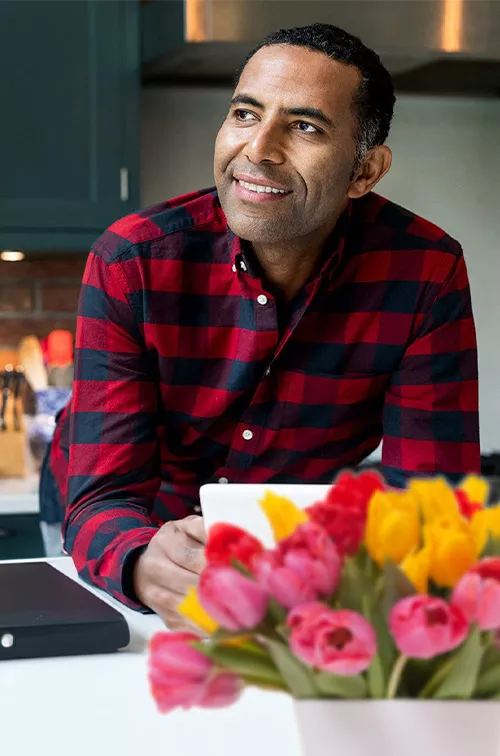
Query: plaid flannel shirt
point(188, 370)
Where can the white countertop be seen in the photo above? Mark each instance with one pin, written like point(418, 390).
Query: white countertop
point(101, 706)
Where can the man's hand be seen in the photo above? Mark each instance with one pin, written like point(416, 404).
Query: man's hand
point(171, 564)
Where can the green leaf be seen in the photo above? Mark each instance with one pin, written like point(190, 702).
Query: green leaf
point(488, 683)
point(276, 613)
point(492, 548)
point(221, 635)
point(348, 594)
point(440, 672)
point(283, 632)
point(298, 677)
point(419, 679)
point(462, 677)
point(491, 656)
point(241, 568)
point(396, 586)
point(377, 678)
point(243, 662)
point(378, 672)
point(355, 585)
point(340, 686)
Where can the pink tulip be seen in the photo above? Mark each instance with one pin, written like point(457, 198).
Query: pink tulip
point(424, 627)
point(303, 567)
point(305, 613)
point(181, 676)
point(478, 594)
point(231, 599)
point(341, 642)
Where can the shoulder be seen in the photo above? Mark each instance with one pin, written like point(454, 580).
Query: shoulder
point(385, 223)
point(134, 235)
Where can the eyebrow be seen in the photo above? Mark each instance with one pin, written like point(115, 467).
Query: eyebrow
point(305, 112)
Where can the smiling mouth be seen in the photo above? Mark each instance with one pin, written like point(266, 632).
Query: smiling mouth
point(260, 188)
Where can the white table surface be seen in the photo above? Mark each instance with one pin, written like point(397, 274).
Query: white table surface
point(101, 706)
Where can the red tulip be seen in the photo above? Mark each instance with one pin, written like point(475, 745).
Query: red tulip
point(478, 594)
point(424, 627)
point(302, 568)
point(181, 676)
point(231, 599)
point(340, 642)
point(468, 508)
point(343, 512)
point(227, 542)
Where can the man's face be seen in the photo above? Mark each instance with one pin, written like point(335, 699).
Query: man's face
point(290, 128)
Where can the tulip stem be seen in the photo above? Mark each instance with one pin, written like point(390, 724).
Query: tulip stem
point(433, 683)
point(395, 677)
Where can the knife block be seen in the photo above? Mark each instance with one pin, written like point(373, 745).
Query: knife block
point(13, 450)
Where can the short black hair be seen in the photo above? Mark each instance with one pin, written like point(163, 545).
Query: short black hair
point(374, 100)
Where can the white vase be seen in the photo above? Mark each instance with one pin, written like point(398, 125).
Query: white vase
point(399, 728)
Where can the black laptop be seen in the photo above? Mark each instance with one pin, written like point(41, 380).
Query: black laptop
point(45, 613)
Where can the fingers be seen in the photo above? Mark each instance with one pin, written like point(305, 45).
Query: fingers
point(180, 548)
point(169, 566)
point(156, 570)
point(194, 527)
point(164, 603)
point(174, 578)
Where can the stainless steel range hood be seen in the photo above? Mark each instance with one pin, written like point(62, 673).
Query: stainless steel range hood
point(433, 46)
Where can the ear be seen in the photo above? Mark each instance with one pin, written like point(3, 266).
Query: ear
point(373, 168)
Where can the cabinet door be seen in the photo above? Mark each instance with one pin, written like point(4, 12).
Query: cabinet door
point(69, 94)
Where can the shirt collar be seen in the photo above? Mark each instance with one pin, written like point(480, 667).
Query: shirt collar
point(333, 254)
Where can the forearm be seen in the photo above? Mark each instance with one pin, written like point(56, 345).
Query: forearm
point(104, 540)
point(114, 466)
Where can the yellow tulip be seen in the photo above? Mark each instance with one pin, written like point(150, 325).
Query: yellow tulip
point(454, 546)
point(476, 489)
point(393, 526)
point(416, 568)
point(484, 522)
point(284, 517)
point(436, 498)
point(191, 608)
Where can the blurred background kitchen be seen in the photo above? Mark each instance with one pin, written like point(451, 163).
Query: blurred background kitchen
point(108, 105)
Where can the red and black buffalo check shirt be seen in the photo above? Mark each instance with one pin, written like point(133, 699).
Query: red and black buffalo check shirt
point(188, 370)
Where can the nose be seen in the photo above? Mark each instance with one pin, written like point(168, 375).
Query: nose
point(265, 146)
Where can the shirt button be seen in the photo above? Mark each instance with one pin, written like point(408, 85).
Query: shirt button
point(243, 266)
point(234, 268)
point(268, 371)
point(262, 299)
point(247, 434)
point(223, 480)
point(197, 509)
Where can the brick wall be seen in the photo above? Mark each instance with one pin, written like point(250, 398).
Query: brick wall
point(38, 295)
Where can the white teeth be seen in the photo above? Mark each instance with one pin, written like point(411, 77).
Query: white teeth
point(261, 189)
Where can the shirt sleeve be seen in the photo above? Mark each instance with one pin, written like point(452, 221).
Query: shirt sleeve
point(114, 468)
point(431, 420)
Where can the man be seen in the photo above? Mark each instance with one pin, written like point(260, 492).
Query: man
point(276, 328)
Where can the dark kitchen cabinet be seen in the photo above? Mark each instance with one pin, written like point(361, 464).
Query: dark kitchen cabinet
point(69, 125)
point(20, 537)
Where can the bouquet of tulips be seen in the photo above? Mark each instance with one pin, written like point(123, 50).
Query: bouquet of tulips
point(369, 593)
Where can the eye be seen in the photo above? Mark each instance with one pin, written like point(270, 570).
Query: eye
point(244, 116)
point(306, 128)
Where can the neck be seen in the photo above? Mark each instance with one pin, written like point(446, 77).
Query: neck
point(286, 270)
point(288, 265)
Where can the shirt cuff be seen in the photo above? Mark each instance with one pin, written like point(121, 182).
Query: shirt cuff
point(128, 580)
